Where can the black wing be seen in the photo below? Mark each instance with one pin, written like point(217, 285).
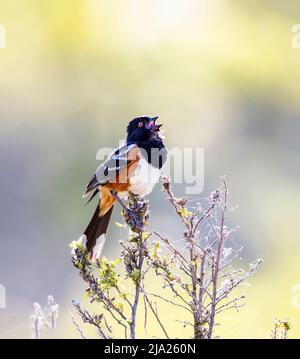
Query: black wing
point(110, 168)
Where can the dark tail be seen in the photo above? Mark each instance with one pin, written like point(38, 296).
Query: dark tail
point(96, 232)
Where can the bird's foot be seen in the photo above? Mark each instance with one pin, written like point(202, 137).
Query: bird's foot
point(131, 215)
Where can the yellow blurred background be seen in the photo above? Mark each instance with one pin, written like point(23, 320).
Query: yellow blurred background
point(221, 74)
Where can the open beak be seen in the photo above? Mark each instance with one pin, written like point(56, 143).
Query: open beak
point(151, 125)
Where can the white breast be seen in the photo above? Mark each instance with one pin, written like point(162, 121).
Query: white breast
point(144, 179)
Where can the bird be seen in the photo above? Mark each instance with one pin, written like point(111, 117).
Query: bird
point(135, 167)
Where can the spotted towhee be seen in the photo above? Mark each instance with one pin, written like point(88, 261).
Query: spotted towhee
point(134, 167)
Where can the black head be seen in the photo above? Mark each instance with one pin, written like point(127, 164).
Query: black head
point(143, 129)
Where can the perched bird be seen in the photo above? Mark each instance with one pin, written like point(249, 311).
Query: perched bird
point(134, 167)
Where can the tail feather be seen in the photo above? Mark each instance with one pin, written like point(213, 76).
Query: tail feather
point(96, 232)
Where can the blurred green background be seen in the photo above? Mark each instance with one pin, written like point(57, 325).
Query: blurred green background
point(220, 74)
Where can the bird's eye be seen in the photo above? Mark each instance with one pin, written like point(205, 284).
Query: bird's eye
point(141, 124)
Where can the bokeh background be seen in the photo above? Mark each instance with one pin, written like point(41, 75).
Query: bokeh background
point(221, 75)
